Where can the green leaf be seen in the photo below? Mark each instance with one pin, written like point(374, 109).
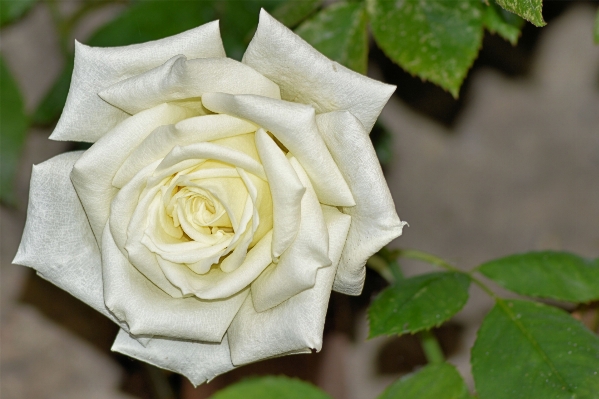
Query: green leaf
point(13, 9)
point(558, 275)
point(435, 40)
point(530, 10)
point(13, 129)
point(529, 350)
point(504, 23)
point(597, 28)
point(271, 388)
point(435, 381)
point(340, 33)
point(51, 106)
point(291, 13)
point(418, 303)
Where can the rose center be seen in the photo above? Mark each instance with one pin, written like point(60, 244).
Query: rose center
point(195, 210)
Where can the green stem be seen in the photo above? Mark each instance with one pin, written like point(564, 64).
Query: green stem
point(426, 257)
point(159, 384)
point(381, 266)
point(436, 261)
point(396, 270)
point(430, 346)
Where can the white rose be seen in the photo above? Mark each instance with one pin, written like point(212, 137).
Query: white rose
point(221, 201)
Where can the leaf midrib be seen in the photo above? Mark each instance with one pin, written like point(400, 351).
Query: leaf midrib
point(533, 342)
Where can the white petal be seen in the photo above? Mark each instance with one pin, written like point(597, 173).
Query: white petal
point(198, 361)
point(192, 130)
point(306, 76)
point(121, 211)
point(86, 117)
point(180, 79)
point(293, 125)
point(374, 219)
point(58, 241)
point(215, 152)
point(286, 189)
point(217, 284)
point(147, 310)
point(296, 325)
point(93, 173)
point(297, 267)
point(236, 258)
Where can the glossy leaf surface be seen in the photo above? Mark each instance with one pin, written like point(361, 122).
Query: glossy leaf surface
point(529, 350)
point(435, 40)
point(418, 303)
point(558, 275)
point(339, 32)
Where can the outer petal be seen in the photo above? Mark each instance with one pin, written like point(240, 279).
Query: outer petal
point(198, 361)
point(287, 191)
point(180, 79)
point(58, 241)
point(149, 311)
point(306, 76)
point(374, 219)
point(296, 325)
point(93, 173)
point(297, 268)
point(293, 125)
point(86, 116)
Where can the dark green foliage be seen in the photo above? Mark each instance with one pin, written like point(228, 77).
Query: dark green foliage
point(529, 350)
point(418, 303)
point(13, 129)
point(557, 275)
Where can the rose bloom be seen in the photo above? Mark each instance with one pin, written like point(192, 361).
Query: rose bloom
point(221, 200)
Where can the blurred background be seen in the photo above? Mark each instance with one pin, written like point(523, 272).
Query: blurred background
point(512, 165)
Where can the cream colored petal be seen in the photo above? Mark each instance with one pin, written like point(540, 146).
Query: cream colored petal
point(121, 211)
point(160, 243)
point(198, 361)
point(189, 131)
point(245, 143)
point(306, 76)
point(93, 173)
point(180, 79)
point(232, 194)
point(58, 241)
point(138, 254)
point(212, 151)
point(296, 325)
point(262, 205)
point(217, 284)
point(86, 117)
point(147, 310)
point(293, 125)
point(374, 219)
point(286, 189)
point(298, 266)
point(236, 258)
point(145, 237)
